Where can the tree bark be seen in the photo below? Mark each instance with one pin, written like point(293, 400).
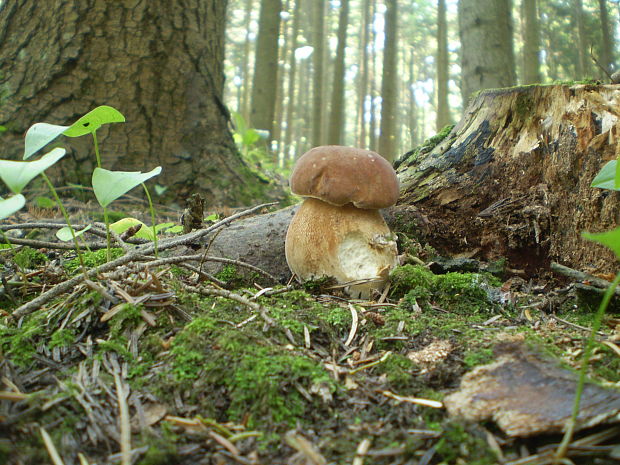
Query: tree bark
point(607, 38)
point(266, 66)
point(487, 57)
point(336, 123)
point(512, 180)
point(531, 42)
point(443, 63)
point(318, 41)
point(389, 86)
point(159, 62)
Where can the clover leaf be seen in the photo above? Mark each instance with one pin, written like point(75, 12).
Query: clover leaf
point(110, 185)
point(17, 174)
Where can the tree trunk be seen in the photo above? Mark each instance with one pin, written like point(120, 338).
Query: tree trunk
point(513, 177)
point(336, 121)
point(531, 42)
point(290, 107)
point(443, 63)
point(266, 66)
point(607, 39)
point(583, 64)
point(487, 57)
point(158, 62)
point(247, 76)
point(317, 79)
point(389, 86)
point(362, 90)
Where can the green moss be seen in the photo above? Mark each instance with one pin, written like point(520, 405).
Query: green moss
point(461, 445)
point(62, 338)
point(254, 376)
point(399, 372)
point(19, 344)
point(45, 202)
point(29, 258)
point(161, 450)
point(462, 293)
point(410, 277)
point(478, 356)
point(92, 259)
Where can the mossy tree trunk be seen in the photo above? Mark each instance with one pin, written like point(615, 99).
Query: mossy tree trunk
point(513, 177)
point(158, 62)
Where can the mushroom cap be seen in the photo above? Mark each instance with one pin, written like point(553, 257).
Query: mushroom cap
point(345, 243)
point(341, 175)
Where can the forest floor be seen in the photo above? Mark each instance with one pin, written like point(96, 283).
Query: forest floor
point(153, 362)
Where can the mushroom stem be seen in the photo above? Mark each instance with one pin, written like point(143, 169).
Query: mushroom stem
point(346, 243)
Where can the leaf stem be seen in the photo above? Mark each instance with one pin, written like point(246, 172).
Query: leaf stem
point(148, 196)
point(66, 216)
point(596, 324)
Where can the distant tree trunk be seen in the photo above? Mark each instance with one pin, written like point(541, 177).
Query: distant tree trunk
point(531, 42)
point(266, 66)
point(362, 92)
point(583, 64)
point(487, 57)
point(167, 80)
point(413, 107)
point(389, 86)
point(279, 101)
point(607, 43)
point(443, 108)
point(247, 70)
point(317, 60)
point(336, 122)
point(290, 108)
point(513, 178)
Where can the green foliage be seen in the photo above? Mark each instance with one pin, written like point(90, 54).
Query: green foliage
point(458, 444)
point(62, 338)
point(92, 259)
point(44, 202)
point(17, 174)
point(461, 293)
point(110, 185)
point(28, 258)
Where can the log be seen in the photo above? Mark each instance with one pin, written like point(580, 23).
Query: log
point(512, 178)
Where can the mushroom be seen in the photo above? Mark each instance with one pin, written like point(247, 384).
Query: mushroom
point(338, 231)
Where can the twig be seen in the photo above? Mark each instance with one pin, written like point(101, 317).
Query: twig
point(581, 276)
point(136, 254)
point(125, 437)
point(51, 449)
point(211, 291)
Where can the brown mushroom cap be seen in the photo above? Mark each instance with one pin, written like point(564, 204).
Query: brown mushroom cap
point(341, 175)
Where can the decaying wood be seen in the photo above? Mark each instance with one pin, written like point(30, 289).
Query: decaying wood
point(513, 177)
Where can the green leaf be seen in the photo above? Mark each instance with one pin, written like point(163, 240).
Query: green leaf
point(64, 234)
point(608, 177)
point(250, 137)
point(16, 174)
point(110, 185)
point(11, 205)
point(123, 225)
point(39, 135)
point(610, 239)
point(93, 120)
point(160, 190)
point(168, 228)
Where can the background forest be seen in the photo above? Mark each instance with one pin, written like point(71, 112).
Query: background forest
point(387, 74)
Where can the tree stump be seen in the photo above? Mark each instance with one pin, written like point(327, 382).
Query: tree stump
point(512, 178)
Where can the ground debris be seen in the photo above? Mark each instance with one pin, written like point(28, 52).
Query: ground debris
point(526, 395)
